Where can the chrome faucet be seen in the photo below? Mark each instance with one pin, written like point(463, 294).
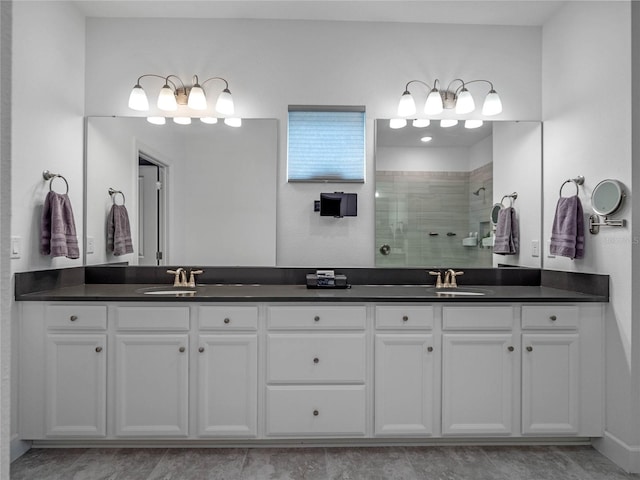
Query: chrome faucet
point(438, 280)
point(192, 280)
point(450, 278)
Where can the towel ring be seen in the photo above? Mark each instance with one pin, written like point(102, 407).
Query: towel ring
point(511, 197)
point(579, 180)
point(47, 175)
point(113, 194)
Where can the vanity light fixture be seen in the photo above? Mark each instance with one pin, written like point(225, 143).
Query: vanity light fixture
point(182, 120)
point(452, 97)
point(209, 120)
point(448, 122)
point(233, 121)
point(157, 120)
point(397, 123)
point(175, 92)
point(421, 122)
point(473, 123)
point(426, 139)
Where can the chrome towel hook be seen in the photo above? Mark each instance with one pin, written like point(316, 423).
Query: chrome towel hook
point(47, 175)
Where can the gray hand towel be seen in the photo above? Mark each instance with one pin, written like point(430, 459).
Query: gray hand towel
point(567, 233)
point(119, 231)
point(58, 229)
point(507, 239)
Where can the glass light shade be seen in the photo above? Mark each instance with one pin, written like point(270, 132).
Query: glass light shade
point(407, 105)
point(465, 103)
point(433, 105)
point(473, 123)
point(197, 99)
point(492, 104)
point(138, 99)
point(233, 122)
point(182, 120)
point(157, 120)
point(448, 122)
point(209, 120)
point(224, 104)
point(397, 123)
point(426, 139)
point(421, 122)
point(167, 99)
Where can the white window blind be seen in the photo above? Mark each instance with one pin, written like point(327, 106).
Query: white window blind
point(326, 144)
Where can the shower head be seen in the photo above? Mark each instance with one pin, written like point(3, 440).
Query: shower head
point(477, 192)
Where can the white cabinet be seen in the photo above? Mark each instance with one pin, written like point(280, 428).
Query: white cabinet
point(151, 385)
point(550, 383)
point(76, 379)
point(404, 384)
point(477, 384)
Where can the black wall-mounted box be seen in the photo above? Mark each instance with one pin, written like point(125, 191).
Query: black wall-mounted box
point(338, 204)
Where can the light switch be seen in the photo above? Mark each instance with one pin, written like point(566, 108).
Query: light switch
point(535, 248)
point(91, 245)
point(16, 247)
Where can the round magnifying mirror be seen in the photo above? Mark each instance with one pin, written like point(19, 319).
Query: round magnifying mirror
point(495, 210)
point(607, 197)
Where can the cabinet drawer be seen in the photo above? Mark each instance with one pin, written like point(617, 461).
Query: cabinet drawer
point(77, 316)
point(312, 317)
point(316, 358)
point(314, 410)
point(228, 318)
point(153, 318)
point(477, 318)
point(550, 316)
point(407, 317)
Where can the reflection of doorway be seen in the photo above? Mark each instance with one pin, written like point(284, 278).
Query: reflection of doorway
point(151, 211)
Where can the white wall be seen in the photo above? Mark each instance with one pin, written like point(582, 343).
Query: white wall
point(272, 64)
point(416, 159)
point(517, 167)
point(46, 131)
point(481, 153)
point(587, 49)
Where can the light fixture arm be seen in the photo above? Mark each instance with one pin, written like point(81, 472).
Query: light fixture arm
point(464, 84)
point(166, 79)
point(226, 84)
point(435, 84)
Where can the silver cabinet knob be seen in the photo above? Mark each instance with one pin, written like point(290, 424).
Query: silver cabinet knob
point(201, 349)
point(316, 413)
point(405, 318)
point(553, 318)
point(73, 318)
point(227, 320)
point(181, 349)
point(316, 360)
point(316, 318)
point(510, 348)
point(429, 349)
point(98, 349)
point(529, 349)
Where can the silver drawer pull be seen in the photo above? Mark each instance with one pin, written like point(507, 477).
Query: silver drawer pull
point(553, 318)
point(181, 349)
point(510, 348)
point(201, 349)
point(405, 318)
point(529, 349)
point(98, 349)
point(316, 318)
point(227, 320)
point(316, 413)
point(429, 349)
point(73, 318)
point(316, 360)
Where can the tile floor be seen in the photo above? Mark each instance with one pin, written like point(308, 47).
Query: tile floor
point(367, 463)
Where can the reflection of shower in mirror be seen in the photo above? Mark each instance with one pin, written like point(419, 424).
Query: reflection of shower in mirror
point(477, 192)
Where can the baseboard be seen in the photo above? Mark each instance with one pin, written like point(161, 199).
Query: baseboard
point(625, 456)
point(18, 447)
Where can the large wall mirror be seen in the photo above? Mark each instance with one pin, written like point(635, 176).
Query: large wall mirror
point(200, 194)
point(436, 187)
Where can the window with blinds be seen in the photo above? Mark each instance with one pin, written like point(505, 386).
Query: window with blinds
point(326, 144)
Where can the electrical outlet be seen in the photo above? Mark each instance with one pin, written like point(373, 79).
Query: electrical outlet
point(91, 245)
point(535, 248)
point(16, 247)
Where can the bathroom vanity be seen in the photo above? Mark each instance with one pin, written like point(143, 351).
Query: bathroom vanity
point(279, 363)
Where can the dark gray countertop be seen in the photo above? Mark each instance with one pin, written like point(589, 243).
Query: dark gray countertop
point(128, 292)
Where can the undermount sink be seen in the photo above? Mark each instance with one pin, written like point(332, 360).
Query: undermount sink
point(168, 290)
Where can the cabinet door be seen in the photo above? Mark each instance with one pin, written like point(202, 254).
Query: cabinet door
point(76, 385)
point(151, 382)
point(404, 389)
point(477, 384)
point(550, 383)
point(227, 385)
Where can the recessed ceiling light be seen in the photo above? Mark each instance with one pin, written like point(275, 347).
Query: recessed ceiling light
point(426, 139)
